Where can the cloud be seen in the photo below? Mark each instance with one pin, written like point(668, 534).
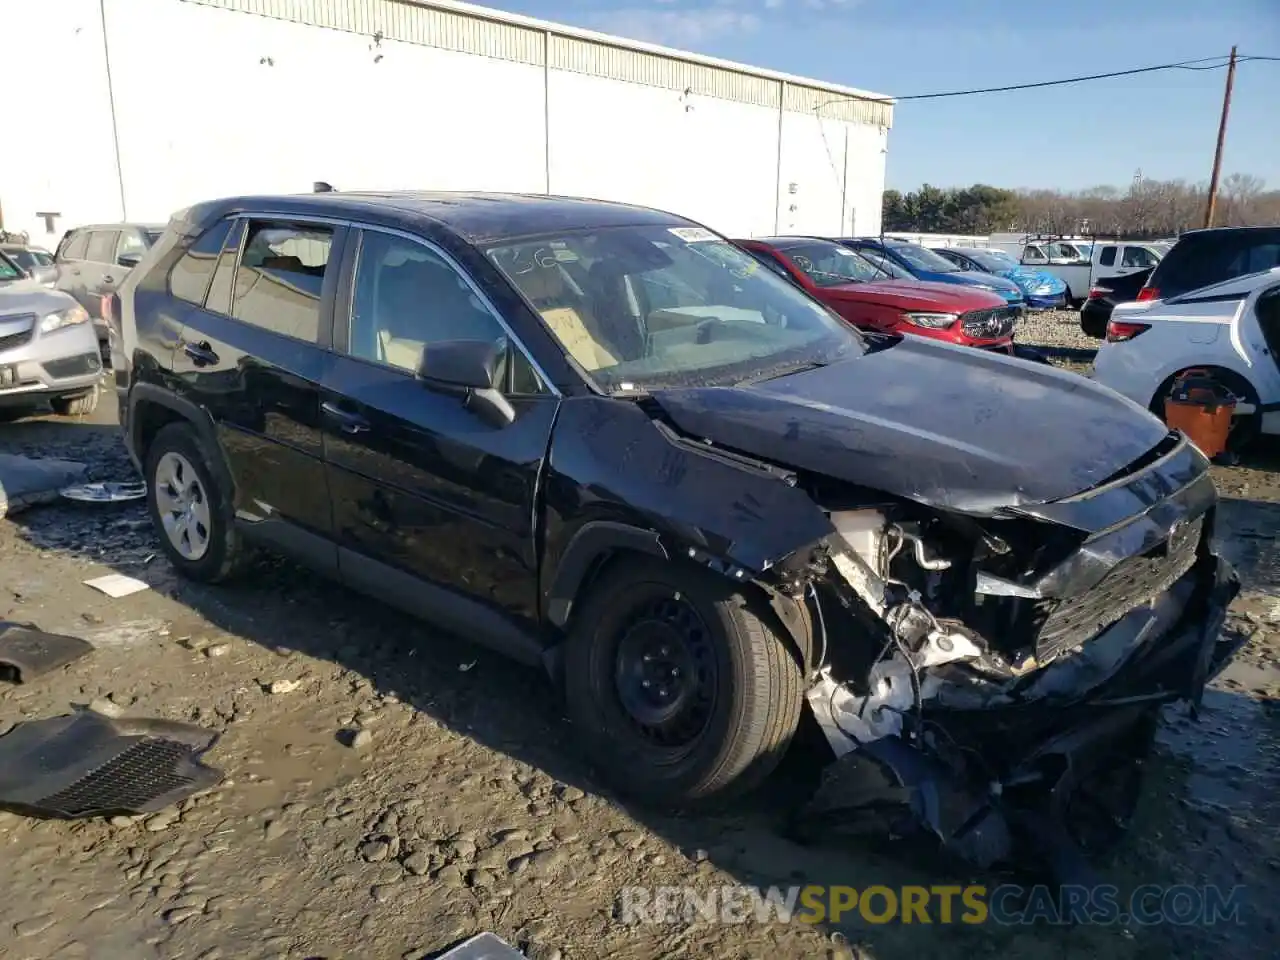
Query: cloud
point(677, 28)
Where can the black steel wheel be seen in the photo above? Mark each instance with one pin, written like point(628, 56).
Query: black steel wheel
point(684, 689)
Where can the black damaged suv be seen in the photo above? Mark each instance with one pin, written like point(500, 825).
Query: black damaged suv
point(601, 439)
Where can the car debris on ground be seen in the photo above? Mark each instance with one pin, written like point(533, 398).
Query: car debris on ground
point(27, 652)
point(85, 764)
point(117, 585)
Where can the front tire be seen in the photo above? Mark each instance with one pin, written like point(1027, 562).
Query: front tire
point(681, 688)
point(191, 513)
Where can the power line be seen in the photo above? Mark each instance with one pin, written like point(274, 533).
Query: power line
point(1204, 63)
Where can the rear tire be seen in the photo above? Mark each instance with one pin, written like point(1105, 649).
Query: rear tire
point(682, 692)
point(178, 470)
point(80, 405)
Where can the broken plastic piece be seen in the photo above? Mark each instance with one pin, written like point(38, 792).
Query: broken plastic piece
point(110, 492)
point(85, 765)
point(117, 585)
point(484, 946)
point(27, 652)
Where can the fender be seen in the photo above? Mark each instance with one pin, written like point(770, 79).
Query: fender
point(593, 539)
point(597, 538)
point(199, 420)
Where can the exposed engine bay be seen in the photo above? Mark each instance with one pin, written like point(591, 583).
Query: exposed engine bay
point(974, 675)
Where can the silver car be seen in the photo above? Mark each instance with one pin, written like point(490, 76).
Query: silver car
point(48, 350)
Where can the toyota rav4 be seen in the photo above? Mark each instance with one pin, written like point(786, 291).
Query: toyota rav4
point(605, 441)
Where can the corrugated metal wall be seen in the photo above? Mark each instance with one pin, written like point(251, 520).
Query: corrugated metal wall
point(415, 22)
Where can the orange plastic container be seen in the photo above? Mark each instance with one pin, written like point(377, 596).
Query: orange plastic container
point(1202, 410)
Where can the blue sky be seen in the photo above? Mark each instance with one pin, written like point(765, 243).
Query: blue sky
point(1067, 137)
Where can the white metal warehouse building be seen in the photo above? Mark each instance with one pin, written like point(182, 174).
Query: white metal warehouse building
point(146, 106)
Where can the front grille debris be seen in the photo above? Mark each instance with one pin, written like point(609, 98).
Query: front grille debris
point(1128, 585)
point(86, 764)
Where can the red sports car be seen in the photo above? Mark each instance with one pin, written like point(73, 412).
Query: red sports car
point(876, 296)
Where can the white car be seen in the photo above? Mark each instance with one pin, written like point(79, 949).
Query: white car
point(1230, 329)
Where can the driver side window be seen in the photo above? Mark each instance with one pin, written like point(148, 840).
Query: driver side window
point(406, 297)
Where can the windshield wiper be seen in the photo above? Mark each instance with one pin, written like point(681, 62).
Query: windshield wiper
point(779, 372)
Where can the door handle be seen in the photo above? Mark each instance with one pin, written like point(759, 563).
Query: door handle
point(347, 422)
point(200, 353)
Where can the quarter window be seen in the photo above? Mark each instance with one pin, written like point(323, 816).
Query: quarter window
point(407, 297)
point(280, 276)
point(189, 279)
point(102, 246)
point(219, 298)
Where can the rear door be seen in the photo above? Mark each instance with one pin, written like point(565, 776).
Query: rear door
point(254, 355)
point(97, 266)
point(425, 493)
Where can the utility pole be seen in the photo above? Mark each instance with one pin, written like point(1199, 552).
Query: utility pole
point(1222, 136)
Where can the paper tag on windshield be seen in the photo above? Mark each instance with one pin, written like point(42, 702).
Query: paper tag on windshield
point(692, 234)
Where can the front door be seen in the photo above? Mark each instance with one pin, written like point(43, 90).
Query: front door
point(253, 354)
point(433, 507)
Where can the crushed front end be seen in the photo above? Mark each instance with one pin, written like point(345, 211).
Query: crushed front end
point(990, 681)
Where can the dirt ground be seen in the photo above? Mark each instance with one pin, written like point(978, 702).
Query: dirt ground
point(469, 807)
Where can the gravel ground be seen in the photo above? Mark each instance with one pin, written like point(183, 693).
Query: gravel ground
point(1054, 328)
point(465, 805)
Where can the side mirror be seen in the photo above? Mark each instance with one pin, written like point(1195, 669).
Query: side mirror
point(46, 275)
point(129, 260)
point(470, 369)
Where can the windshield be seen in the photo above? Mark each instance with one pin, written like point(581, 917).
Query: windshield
point(992, 260)
point(886, 266)
point(8, 269)
point(829, 264)
point(29, 259)
point(923, 258)
point(646, 307)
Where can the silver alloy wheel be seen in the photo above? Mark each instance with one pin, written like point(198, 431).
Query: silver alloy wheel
point(183, 505)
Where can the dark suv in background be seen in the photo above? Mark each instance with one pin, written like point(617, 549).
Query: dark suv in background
point(1202, 258)
point(92, 261)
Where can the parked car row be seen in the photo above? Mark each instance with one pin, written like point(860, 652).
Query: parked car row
point(875, 294)
point(48, 351)
point(1081, 265)
point(51, 310)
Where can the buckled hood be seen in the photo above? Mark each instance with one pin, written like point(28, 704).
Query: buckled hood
point(946, 426)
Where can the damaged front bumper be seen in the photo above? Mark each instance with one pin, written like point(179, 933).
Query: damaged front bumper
point(1041, 769)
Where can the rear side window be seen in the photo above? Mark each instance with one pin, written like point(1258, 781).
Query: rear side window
point(102, 246)
point(1108, 258)
point(190, 276)
point(1138, 257)
point(280, 276)
point(1201, 261)
point(75, 247)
